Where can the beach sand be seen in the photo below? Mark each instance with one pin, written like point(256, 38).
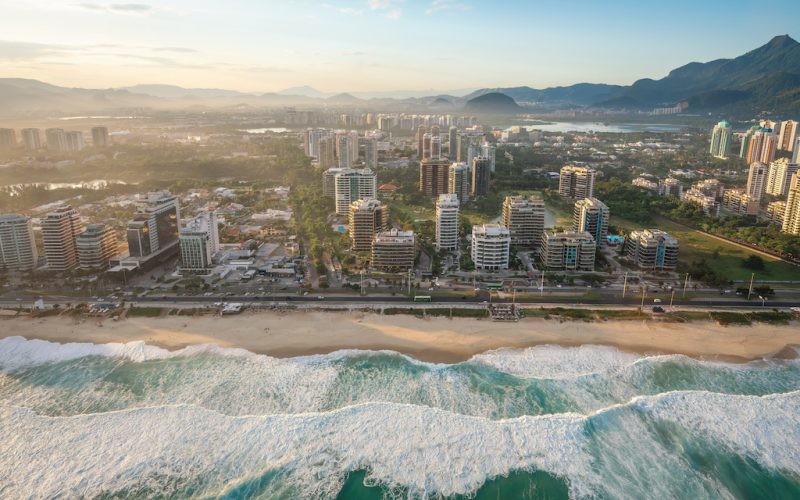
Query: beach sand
point(432, 339)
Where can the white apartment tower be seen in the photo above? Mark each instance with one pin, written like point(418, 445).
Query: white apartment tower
point(96, 246)
point(757, 180)
point(576, 182)
point(367, 218)
point(199, 241)
point(791, 216)
point(591, 215)
point(351, 185)
point(490, 247)
point(459, 181)
point(447, 208)
point(721, 138)
point(17, 244)
point(524, 219)
point(779, 176)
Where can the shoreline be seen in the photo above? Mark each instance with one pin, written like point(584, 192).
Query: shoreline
point(433, 339)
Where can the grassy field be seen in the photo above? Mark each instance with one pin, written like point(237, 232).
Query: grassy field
point(724, 258)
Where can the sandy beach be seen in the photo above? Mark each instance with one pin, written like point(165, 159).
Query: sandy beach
point(431, 339)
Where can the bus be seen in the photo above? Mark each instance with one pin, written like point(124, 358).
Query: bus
point(422, 298)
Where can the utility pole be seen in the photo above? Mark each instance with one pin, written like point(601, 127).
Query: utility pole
point(671, 299)
point(750, 290)
point(642, 307)
point(409, 282)
point(685, 284)
point(362, 282)
point(541, 285)
point(625, 285)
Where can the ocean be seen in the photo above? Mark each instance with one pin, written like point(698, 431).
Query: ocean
point(549, 422)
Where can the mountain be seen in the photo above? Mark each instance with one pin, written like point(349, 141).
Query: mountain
point(343, 98)
point(578, 94)
point(492, 103)
point(306, 91)
point(175, 92)
point(759, 79)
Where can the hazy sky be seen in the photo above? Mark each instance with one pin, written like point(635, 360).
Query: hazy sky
point(361, 45)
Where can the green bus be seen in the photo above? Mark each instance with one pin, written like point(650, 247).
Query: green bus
point(422, 298)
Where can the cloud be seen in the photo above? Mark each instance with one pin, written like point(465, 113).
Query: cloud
point(389, 8)
point(16, 51)
point(184, 50)
point(121, 8)
point(446, 5)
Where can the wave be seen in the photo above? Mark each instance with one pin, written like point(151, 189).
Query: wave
point(71, 379)
point(620, 451)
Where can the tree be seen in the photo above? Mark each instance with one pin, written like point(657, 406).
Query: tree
point(753, 262)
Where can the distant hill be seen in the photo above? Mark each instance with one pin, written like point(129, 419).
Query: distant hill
point(578, 94)
point(493, 102)
point(175, 92)
point(304, 90)
point(765, 78)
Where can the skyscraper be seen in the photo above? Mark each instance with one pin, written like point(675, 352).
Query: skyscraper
point(796, 151)
point(452, 150)
point(433, 177)
point(788, 136)
point(17, 244)
point(480, 176)
point(436, 147)
point(459, 181)
point(343, 150)
point(96, 246)
point(447, 208)
point(100, 137)
point(591, 216)
point(352, 185)
point(74, 141)
point(421, 131)
point(393, 250)
point(524, 219)
point(31, 139)
point(366, 218)
point(60, 228)
point(779, 176)
point(576, 182)
point(371, 152)
point(326, 150)
point(488, 151)
point(761, 146)
point(652, 249)
point(721, 137)
point(791, 216)
point(756, 180)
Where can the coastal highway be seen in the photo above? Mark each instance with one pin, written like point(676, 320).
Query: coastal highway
point(367, 300)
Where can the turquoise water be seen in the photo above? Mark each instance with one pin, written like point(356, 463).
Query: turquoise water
point(545, 422)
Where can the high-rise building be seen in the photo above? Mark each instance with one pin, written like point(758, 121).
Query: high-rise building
point(60, 228)
point(796, 151)
point(480, 176)
point(154, 227)
point(670, 187)
point(447, 208)
point(490, 247)
point(17, 244)
point(344, 150)
point(421, 131)
point(709, 204)
point(788, 136)
point(199, 241)
point(326, 150)
point(371, 152)
point(489, 151)
point(652, 249)
point(74, 141)
point(591, 216)
point(710, 187)
point(8, 138)
point(394, 251)
point(433, 176)
point(576, 182)
point(436, 147)
point(463, 142)
point(31, 139)
point(367, 218)
point(761, 146)
point(100, 137)
point(452, 140)
point(721, 138)
point(568, 251)
point(459, 181)
point(791, 216)
point(524, 219)
point(56, 140)
point(329, 181)
point(352, 185)
point(739, 202)
point(779, 176)
point(96, 245)
point(757, 180)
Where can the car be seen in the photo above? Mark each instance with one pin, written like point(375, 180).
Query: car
point(320, 297)
point(656, 301)
point(658, 309)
